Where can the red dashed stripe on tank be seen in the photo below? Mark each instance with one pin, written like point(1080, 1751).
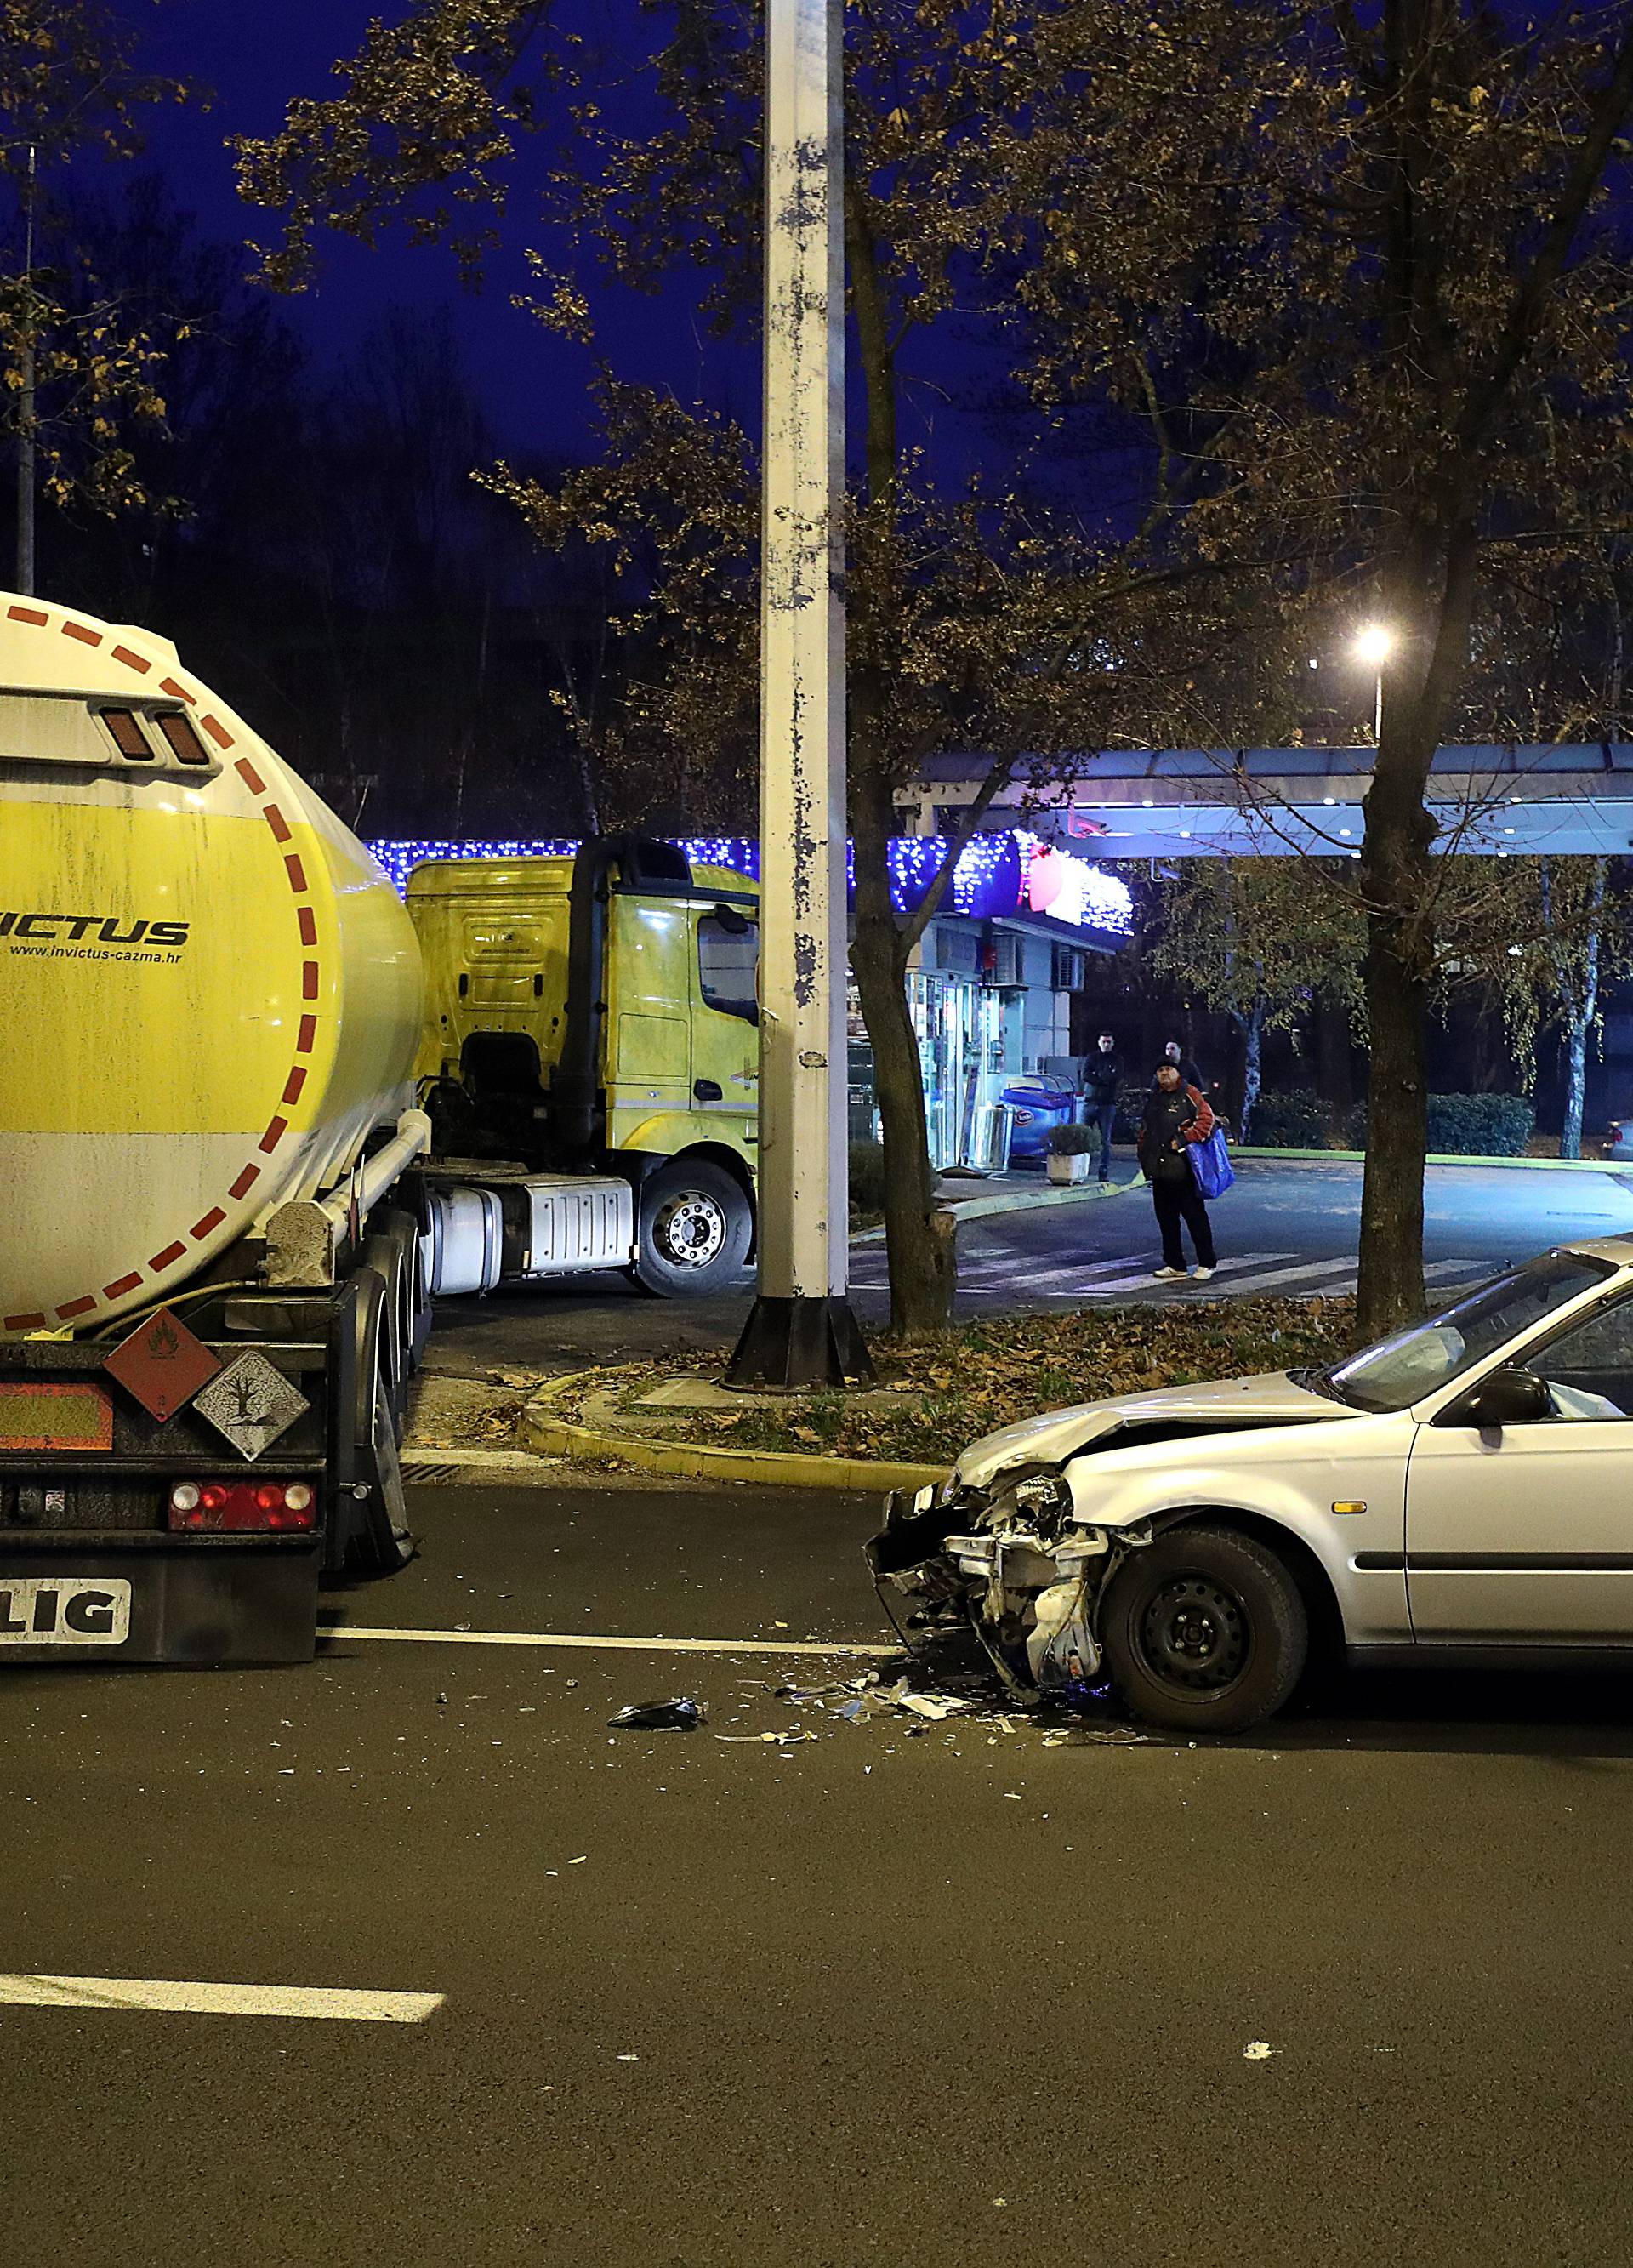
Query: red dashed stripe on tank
point(311, 979)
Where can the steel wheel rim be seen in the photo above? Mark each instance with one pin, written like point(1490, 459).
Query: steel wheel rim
point(1194, 1635)
point(689, 1230)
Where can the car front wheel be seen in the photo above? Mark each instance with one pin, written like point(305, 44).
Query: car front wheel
point(1204, 1630)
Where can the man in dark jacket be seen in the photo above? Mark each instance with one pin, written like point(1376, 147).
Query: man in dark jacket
point(1174, 1054)
point(1175, 1117)
point(1100, 1076)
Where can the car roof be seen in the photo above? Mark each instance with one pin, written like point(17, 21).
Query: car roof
point(1617, 1249)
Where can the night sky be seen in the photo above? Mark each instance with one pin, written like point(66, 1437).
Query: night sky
point(533, 385)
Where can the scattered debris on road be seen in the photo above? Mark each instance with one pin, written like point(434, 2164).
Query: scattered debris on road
point(678, 1716)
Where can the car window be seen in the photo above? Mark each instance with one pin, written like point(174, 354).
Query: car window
point(728, 955)
point(1589, 1367)
point(1401, 1369)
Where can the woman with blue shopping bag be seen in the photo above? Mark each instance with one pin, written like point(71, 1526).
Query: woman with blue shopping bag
point(1184, 1157)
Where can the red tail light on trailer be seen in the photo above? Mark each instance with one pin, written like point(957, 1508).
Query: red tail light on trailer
point(242, 1507)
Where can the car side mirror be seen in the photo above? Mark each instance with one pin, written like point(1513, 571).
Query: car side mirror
point(1503, 1397)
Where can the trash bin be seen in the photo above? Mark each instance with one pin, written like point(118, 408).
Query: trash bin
point(1041, 1103)
point(991, 1135)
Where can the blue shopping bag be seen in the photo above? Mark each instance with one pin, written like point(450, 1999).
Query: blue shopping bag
point(1210, 1162)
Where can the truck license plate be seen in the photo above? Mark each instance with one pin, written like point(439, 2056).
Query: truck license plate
point(48, 1416)
point(63, 1610)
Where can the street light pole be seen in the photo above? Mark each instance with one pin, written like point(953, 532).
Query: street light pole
point(27, 478)
point(801, 1331)
point(1374, 647)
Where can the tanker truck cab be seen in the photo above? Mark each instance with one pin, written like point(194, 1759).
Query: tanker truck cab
point(213, 1282)
point(590, 1064)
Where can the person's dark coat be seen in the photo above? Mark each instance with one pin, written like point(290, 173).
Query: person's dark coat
point(1101, 1077)
point(1182, 1115)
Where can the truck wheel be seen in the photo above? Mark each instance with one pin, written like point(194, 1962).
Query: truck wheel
point(696, 1225)
point(384, 1543)
point(1204, 1630)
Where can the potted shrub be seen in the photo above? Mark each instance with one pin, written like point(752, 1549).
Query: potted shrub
point(1071, 1150)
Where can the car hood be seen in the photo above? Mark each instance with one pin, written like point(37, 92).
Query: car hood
point(1272, 1398)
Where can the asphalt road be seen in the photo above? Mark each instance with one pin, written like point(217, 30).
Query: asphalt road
point(1283, 1228)
point(958, 1998)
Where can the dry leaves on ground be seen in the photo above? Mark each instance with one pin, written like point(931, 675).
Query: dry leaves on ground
point(963, 1383)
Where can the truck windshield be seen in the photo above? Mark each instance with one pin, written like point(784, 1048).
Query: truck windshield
point(1402, 1369)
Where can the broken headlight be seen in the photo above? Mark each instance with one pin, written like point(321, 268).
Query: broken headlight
point(1043, 1495)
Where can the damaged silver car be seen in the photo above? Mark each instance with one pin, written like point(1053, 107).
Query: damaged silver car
point(1462, 1490)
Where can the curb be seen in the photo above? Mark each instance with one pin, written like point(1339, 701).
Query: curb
point(1438, 1158)
point(541, 1430)
point(1039, 1200)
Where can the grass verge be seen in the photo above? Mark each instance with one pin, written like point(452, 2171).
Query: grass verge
point(964, 1383)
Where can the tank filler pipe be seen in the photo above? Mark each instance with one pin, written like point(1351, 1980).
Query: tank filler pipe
point(374, 1176)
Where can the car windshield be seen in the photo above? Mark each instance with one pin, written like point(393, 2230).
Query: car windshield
point(1400, 1370)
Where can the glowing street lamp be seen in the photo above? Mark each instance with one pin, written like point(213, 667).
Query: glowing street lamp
point(1373, 647)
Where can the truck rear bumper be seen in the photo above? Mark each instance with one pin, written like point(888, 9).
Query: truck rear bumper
point(143, 1597)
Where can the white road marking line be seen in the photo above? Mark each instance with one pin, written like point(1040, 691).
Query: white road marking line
point(1260, 1280)
point(1147, 1274)
point(594, 1644)
point(176, 1998)
point(1476, 1270)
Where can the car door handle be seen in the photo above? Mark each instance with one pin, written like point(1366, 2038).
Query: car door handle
point(705, 1090)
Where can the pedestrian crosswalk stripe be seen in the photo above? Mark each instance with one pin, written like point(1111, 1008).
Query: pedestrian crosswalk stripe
point(1145, 1273)
point(1263, 1280)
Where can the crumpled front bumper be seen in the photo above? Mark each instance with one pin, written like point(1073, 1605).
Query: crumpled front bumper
point(1028, 1587)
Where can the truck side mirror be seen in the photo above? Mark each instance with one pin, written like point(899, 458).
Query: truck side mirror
point(1506, 1396)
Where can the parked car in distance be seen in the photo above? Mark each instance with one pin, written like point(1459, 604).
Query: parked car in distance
point(1461, 1492)
point(1619, 1139)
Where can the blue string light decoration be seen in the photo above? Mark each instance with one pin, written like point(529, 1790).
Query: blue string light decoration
point(999, 877)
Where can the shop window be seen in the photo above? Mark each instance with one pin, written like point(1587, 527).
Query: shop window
point(728, 959)
point(1007, 965)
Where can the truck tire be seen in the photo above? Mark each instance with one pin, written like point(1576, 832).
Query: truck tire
point(1204, 1630)
point(369, 1532)
point(695, 1227)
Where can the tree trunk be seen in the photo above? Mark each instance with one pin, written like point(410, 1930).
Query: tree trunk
point(1398, 886)
point(1575, 1086)
point(1584, 1008)
point(1392, 1191)
point(1252, 1054)
point(920, 1264)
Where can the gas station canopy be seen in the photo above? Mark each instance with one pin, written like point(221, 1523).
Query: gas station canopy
point(1573, 800)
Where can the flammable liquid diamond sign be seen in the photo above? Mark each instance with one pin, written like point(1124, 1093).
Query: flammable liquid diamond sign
point(252, 1403)
point(161, 1364)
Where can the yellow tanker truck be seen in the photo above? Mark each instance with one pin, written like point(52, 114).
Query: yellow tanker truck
point(591, 1021)
point(221, 1223)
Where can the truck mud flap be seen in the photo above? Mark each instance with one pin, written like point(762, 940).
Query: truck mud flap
point(158, 1602)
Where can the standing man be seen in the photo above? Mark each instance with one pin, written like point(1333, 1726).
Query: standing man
point(1176, 1115)
point(1101, 1075)
point(1174, 1053)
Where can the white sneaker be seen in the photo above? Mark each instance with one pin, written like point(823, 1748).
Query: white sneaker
point(1201, 1275)
point(1168, 1275)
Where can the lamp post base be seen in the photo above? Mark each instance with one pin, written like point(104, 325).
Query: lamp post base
point(800, 1342)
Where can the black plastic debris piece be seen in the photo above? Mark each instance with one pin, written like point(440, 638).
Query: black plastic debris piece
point(680, 1716)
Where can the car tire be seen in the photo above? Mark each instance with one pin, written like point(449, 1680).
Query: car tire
point(697, 1223)
point(1204, 1630)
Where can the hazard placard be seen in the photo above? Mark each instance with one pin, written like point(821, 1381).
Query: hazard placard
point(161, 1364)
